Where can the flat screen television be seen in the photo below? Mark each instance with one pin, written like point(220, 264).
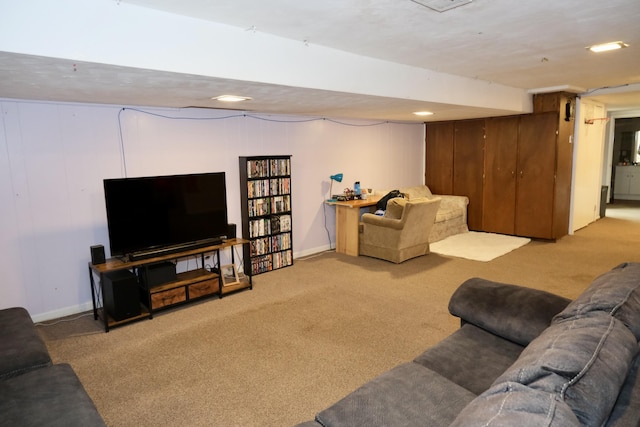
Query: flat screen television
point(150, 216)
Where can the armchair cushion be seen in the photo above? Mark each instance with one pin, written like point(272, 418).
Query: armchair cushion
point(395, 207)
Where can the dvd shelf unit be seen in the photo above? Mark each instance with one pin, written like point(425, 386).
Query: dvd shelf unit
point(265, 192)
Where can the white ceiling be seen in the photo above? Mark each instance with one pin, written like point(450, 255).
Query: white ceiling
point(530, 45)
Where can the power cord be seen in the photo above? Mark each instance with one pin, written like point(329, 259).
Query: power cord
point(324, 211)
point(63, 320)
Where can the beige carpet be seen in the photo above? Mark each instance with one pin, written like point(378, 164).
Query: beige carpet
point(306, 335)
point(478, 246)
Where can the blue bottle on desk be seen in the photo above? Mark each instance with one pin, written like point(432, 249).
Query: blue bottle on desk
point(356, 188)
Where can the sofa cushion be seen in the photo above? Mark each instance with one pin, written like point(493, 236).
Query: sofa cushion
point(513, 312)
point(583, 361)
point(616, 292)
point(408, 395)
point(51, 396)
point(471, 357)
point(395, 207)
point(21, 348)
point(513, 404)
point(626, 411)
point(448, 214)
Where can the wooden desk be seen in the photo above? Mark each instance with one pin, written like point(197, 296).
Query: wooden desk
point(347, 223)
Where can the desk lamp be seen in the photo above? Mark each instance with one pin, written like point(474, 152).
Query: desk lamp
point(338, 178)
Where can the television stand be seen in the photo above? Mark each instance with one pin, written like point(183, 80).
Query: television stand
point(189, 286)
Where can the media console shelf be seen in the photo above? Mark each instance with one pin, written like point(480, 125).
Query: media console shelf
point(118, 286)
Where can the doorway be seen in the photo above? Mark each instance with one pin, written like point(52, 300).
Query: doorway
point(625, 157)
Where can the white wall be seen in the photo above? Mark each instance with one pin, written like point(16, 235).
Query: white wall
point(53, 158)
point(587, 163)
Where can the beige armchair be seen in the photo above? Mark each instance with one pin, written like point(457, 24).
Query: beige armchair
point(452, 214)
point(403, 232)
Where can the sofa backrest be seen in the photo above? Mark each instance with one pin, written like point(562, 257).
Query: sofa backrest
point(576, 366)
point(417, 192)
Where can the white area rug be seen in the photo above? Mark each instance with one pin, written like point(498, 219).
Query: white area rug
point(478, 246)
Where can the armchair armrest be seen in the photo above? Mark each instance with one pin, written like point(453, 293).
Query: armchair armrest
point(513, 312)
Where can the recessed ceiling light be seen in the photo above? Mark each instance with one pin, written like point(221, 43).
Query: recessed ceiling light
point(231, 98)
point(423, 113)
point(442, 5)
point(603, 47)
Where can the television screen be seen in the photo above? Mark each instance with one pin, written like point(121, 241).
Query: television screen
point(150, 213)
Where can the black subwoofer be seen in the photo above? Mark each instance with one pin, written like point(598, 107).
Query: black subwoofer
point(121, 294)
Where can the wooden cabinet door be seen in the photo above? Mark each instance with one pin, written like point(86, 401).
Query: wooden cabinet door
point(439, 157)
point(536, 175)
point(468, 152)
point(500, 162)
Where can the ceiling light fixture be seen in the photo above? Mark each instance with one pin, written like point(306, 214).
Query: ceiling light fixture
point(442, 5)
point(231, 98)
point(423, 113)
point(604, 47)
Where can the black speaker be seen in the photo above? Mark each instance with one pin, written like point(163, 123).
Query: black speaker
point(231, 231)
point(157, 274)
point(121, 295)
point(97, 254)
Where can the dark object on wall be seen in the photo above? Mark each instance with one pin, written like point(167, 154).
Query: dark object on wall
point(157, 274)
point(97, 254)
point(604, 191)
point(382, 203)
point(568, 110)
point(121, 295)
point(231, 231)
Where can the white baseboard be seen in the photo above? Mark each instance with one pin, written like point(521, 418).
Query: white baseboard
point(67, 311)
point(312, 251)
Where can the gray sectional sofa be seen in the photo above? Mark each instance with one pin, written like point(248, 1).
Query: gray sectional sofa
point(34, 391)
point(522, 357)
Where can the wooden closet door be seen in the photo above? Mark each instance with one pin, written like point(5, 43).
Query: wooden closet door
point(468, 152)
point(439, 157)
point(536, 175)
point(500, 162)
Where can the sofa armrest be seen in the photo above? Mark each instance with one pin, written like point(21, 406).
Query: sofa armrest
point(513, 312)
point(21, 347)
point(453, 202)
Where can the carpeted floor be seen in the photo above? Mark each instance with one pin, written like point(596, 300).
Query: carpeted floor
point(307, 335)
